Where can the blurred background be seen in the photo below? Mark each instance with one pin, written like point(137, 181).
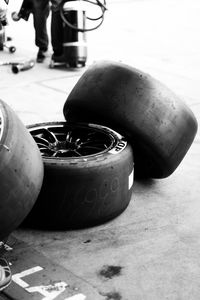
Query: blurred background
point(159, 37)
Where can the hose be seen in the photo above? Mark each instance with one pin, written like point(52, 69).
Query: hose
point(101, 17)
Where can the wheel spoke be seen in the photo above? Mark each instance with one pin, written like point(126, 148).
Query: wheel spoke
point(69, 136)
point(71, 141)
point(43, 145)
point(55, 154)
point(40, 140)
point(77, 152)
point(51, 136)
point(46, 151)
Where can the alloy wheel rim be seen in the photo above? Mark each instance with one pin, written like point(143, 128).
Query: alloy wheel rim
point(62, 140)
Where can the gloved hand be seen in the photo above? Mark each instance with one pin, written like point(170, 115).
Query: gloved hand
point(3, 18)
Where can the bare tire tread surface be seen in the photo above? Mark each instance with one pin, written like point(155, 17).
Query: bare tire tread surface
point(21, 171)
point(158, 124)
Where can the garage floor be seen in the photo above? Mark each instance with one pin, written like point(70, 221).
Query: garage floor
point(152, 250)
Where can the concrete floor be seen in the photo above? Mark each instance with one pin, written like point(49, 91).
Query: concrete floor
point(155, 244)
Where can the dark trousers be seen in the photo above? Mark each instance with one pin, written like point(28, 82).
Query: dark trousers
point(41, 9)
point(56, 33)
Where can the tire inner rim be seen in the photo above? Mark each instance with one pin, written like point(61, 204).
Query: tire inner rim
point(64, 140)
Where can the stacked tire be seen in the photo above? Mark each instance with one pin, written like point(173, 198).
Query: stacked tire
point(21, 171)
point(92, 188)
point(158, 124)
point(61, 175)
point(119, 122)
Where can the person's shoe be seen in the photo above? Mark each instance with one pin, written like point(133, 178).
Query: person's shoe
point(57, 60)
point(58, 57)
point(41, 55)
point(5, 274)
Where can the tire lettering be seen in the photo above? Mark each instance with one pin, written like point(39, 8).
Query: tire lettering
point(104, 190)
point(119, 147)
point(91, 196)
point(130, 180)
point(114, 184)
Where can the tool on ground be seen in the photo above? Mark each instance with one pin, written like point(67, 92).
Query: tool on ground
point(26, 65)
point(17, 66)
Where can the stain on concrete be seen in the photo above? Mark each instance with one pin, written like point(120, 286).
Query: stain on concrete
point(87, 241)
point(112, 296)
point(109, 272)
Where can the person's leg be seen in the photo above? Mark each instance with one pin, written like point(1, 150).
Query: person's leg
point(40, 15)
point(56, 29)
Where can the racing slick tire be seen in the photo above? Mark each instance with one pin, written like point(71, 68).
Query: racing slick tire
point(88, 175)
point(21, 171)
point(158, 124)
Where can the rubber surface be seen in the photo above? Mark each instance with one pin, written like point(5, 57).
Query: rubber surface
point(160, 127)
point(84, 191)
point(21, 171)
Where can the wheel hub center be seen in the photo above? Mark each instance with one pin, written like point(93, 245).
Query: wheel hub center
point(63, 146)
